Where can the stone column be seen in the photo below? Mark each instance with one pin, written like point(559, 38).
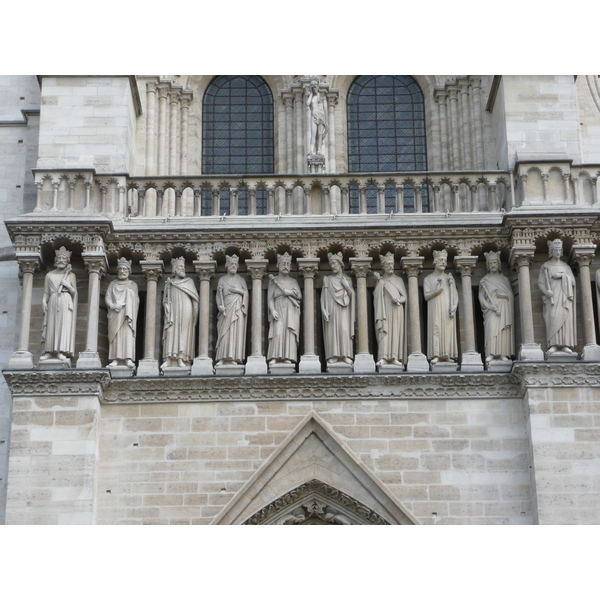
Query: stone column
point(441, 97)
point(186, 100)
point(583, 255)
point(203, 363)
point(521, 256)
point(309, 361)
point(471, 359)
point(456, 161)
point(151, 87)
point(148, 366)
point(96, 265)
point(288, 101)
point(468, 162)
point(163, 90)
point(22, 358)
point(479, 155)
point(174, 113)
point(257, 362)
point(417, 361)
point(363, 360)
point(332, 100)
point(299, 108)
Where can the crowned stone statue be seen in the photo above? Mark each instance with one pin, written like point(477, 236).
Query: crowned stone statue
point(59, 304)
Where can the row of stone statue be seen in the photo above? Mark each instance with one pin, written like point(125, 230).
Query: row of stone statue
point(338, 311)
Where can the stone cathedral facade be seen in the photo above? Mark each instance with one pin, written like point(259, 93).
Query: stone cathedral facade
point(300, 299)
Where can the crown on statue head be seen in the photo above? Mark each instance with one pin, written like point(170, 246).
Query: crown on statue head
point(440, 254)
point(234, 258)
point(63, 252)
point(387, 259)
point(123, 262)
point(338, 257)
point(178, 262)
point(491, 255)
point(284, 259)
point(557, 243)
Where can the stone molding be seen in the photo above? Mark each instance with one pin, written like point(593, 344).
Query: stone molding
point(542, 374)
point(58, 383)
point(305, 492)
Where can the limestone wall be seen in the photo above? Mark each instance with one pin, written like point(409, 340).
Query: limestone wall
point(87, 122)
point(447, 461)
point(565, 438)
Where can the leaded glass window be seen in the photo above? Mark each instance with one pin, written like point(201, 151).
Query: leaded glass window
point(237, 130)
point(386, 125)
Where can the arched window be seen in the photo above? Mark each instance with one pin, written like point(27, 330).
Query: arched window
point(386, 125)
point(237, 126)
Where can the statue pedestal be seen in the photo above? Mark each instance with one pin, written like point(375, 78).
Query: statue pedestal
point(471, 362)
point(389, 368)
point(121, 372)
point(531, 352)
point(53, 364)
point(309, 363)
point(339, 368)
point(147, 368)
point(176, 371)
point(563, 357)
point(316, 163)
point(256, 365)
point(590, 352)
point(21, 359)
point(203, 365)
point(89, 360)
point(364, 363)
point(229, 369)
point(276, 368)
point(444, 367)
point(417, 363)
point(500, 366)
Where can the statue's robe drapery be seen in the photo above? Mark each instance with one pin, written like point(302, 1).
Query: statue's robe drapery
point(441, 328)
point(284, 333)
point(58, 328)
point(559, 311)
point(390, 321)
point(498, 329)
point(231, 323)
point(340, 306)
point(122, 324)
point(181, 313)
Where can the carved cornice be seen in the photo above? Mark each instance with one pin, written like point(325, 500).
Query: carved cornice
point(318, 387)
point(315, 488)
point(542, 374)
point(69, 382)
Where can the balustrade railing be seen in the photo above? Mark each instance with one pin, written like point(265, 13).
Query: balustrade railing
point(218, 195)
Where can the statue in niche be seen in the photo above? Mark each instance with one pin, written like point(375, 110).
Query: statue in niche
point(316, 101)
point(232, 304)
point(59, 304)
point(497, 303)
point(557, 284)
point(440, 292)
point(123, 301)
point(180, 302)
point(283, 298)
point(389, 300)
point(339, 313)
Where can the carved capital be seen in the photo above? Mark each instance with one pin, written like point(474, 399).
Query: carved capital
point(29, 262)
point(257, 267)
point(186, 99)
point(583, 255)
point(205, 269)
point(163, 90)
point(174, 96)
point(412, 265)
point(288, 99)
point(521, 256)
point(463, 85)
point(309, 267)
point(361, 266)
point(465, 265)
point(440, 96)
point(95, 263)
point(151, 86)
point(453, 93)
point(153, 269)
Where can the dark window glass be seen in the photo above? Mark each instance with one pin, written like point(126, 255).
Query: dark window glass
point(386, 124)
point(354, 199)
point(261, 201)
point(237, 132)
point(207, 202)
